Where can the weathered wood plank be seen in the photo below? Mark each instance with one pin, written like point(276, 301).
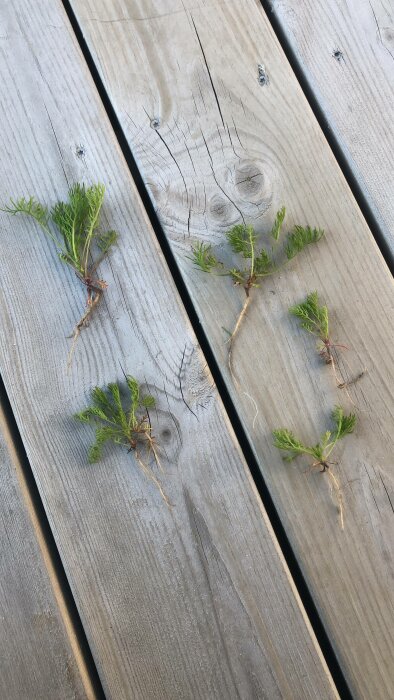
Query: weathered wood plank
point(39, 654)
point(193, 602)
point(346, 51)
point(230, 138)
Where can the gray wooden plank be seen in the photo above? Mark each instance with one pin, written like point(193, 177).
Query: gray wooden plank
point(346, 52)
point(195, 602)
point(224, 143)
point(39, 653)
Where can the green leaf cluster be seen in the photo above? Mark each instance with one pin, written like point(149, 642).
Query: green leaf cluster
point(313, 316)
point(114, 421)
point(72, 225)
point(343, 425)
point(262, 262)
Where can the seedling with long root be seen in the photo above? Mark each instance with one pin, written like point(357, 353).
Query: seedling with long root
point(127, 426)
point(262, 263)
point(73, 228)
point(343, 425)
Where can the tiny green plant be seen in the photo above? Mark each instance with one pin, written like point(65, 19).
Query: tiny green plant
point(261, 262)
point(123, 421)
point(343, 425)
point(73, 227)
point(314, 319)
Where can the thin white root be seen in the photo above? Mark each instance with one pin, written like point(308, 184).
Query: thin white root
point(255, 406)
point(338, 492)
point(148, 472)
point(153, 448)
point(232, 339)
point(81, 323)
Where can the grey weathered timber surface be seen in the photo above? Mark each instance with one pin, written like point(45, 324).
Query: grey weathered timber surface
point(38, 658)
point(346, 52)
point(233, 135)
point(193, 602)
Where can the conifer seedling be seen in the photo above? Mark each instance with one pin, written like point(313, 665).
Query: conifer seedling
point(123, 422)
point(314, 319)
point(73, 228)
point(343, 425)
point(261, 262)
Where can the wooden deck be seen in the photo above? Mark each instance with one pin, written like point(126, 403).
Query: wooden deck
point(247, 587)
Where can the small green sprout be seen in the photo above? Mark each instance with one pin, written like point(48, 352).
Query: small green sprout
point(286, 441)
point(73, 228)
point(127, 425)
point(261, 261)
point(314, 318)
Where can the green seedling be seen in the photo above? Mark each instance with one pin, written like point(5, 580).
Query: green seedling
point(320, 453)
point(314, 319)
point(73, 228)
point(123, 422)
point(261, 262)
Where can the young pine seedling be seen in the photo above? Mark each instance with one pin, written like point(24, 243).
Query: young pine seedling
point(128, 425)
point(73, 228)
point(343, 425)
point(260, 262)
point(314, 319)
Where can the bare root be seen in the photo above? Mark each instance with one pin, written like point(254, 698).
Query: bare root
point(149, 473)
point(232, 339)
point(81, 323)
point(337, 489)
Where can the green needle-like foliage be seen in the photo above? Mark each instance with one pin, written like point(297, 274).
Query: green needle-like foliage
point(343, 425)
point(74, 228)
point(75, 225)
point(315, 320)
point(122, 421)
point(262, 261)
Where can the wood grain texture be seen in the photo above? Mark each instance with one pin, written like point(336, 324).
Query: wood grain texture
point(193, 602)
point(346, 52)
point(39, 655)
point(232, 136)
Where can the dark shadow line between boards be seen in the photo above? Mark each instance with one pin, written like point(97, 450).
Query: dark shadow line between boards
point(280, 533)
point(52, 549)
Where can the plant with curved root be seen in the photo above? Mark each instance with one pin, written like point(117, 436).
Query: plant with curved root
point(128, 426)
point(242, 239)
point(343, 425)
point(314, 319)
point(73, 228)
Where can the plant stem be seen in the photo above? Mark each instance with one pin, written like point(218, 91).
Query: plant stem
point(234, 333)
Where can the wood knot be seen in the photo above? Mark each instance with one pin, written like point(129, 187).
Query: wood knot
point(252, 184)
point(220, 208)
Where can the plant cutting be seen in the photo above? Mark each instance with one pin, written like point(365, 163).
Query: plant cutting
point(314, 319)
point(261, 262)
point(73, 228)
point(285, 440)
point(123, 422)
